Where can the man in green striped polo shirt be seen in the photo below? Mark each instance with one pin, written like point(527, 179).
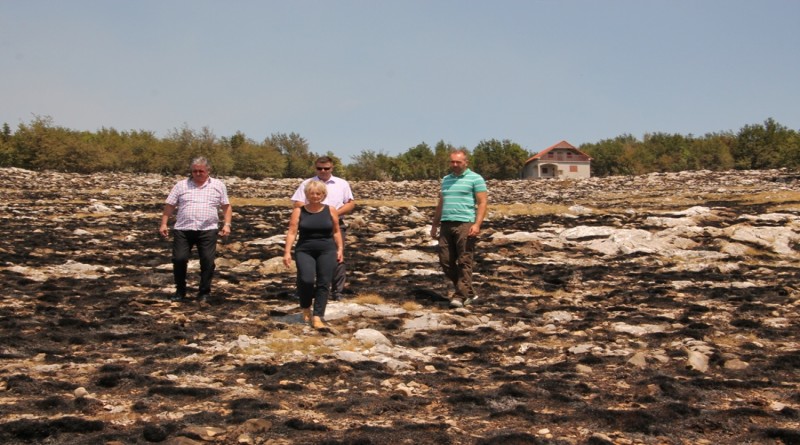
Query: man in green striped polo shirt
point(457, 222)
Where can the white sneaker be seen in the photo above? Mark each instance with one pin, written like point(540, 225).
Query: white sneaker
point(456, 302)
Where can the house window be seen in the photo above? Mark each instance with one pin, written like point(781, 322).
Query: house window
point(573, 169)
point(544, 170)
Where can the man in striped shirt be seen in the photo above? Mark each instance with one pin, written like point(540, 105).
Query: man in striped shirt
point(198, 200)
point(457, 222)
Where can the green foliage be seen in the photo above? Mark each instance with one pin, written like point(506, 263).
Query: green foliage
point(765, 146)
point(6, 149)
point(499, 160)
point(712, 152)
point(42, 145)
point(441, 159)
point(253, 160)
point(29, 140)
point(149, 154)
point(187, 144)
point(372, 166)
point(770, 145)
point(294, 149)
point(790, 150)
point(664, 152)
point(612, 156)
point(416, 163)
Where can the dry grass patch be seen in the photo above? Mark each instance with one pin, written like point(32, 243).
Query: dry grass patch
point(785, 208)
point(411, 306)
point(291, 343)
point(558, 294)
point(286, 342)
point(94, 191)
point(614, 202)
point(369, 298)
point(786, 200)
point(260, 202)
point(533, 209)
point(735, 341)
point(422, 202)
point(782, 200)
point(83, 215)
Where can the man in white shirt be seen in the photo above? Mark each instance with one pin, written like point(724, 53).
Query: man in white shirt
point(340, 197)
point(198, 201)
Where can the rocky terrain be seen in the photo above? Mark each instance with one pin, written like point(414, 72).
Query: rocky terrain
point(658, 309)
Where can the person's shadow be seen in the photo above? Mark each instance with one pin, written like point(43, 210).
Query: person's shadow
point(426, 296)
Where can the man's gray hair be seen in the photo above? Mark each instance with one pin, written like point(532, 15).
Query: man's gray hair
point(201, 160)
point(463, 151)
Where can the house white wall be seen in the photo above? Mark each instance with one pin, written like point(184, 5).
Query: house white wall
point(560, 170)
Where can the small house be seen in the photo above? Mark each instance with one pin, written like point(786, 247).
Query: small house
point(562, 160)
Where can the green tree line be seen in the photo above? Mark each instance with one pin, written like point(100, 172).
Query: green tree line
point(753, 147)
point(42, 145)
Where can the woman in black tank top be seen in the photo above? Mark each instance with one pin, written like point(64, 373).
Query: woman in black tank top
point(319, 249)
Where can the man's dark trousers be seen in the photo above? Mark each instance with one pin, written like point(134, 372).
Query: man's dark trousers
point(206, 242)
point(456, 249)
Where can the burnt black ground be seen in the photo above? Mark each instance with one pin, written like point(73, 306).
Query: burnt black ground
point(119, 338)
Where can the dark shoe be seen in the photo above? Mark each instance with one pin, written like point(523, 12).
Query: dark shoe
point(177, 296)
point(336, 297)
point(203, 298)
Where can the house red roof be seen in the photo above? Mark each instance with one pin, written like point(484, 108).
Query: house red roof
point(562, 145)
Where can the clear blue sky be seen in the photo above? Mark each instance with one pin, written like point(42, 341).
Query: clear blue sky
point(382, 75)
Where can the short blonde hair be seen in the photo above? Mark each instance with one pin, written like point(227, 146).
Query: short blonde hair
point(316, 186)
